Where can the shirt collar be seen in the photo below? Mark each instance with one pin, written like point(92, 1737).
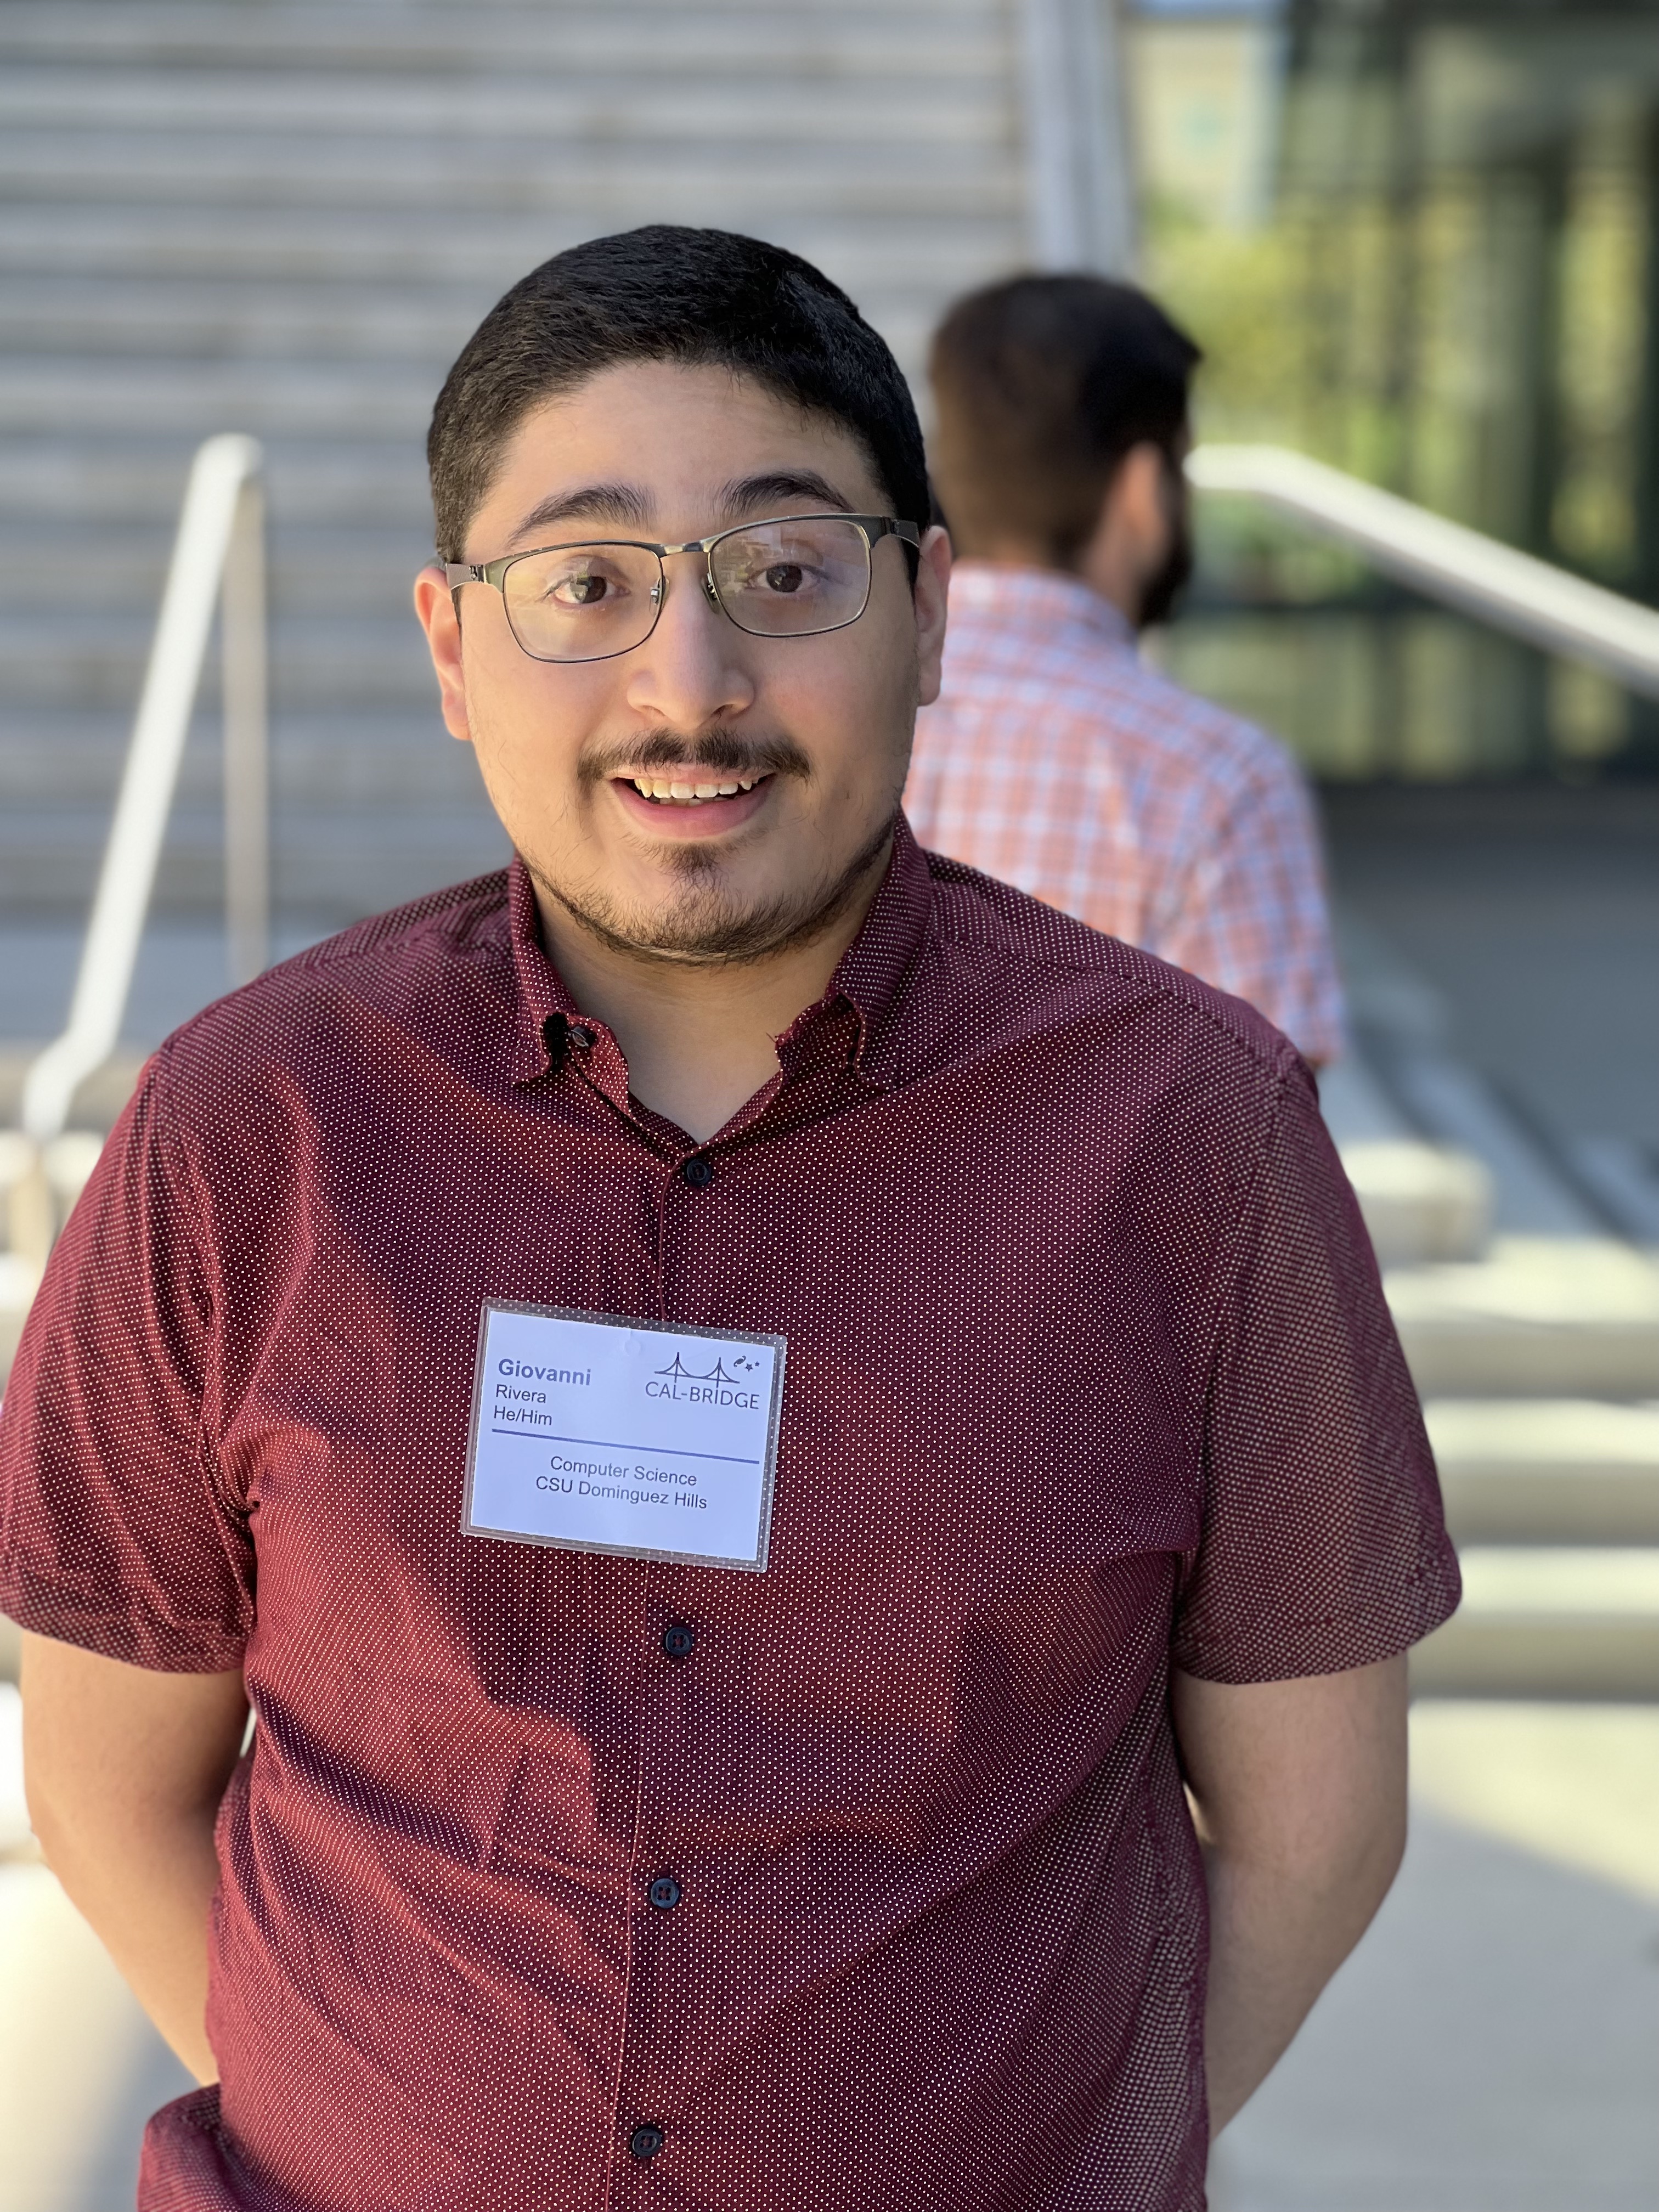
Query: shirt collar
point(874, 972)
point(869, 982)
point(1036, 599)
point(541, 993)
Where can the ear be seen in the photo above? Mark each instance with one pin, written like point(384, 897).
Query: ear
point(434, 609)
point(931, 593)
point(1135, 501)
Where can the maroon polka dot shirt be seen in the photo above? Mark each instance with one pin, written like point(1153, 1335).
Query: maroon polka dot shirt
point(562, 1882)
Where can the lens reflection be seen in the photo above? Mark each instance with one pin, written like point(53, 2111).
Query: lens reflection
point(790, 579)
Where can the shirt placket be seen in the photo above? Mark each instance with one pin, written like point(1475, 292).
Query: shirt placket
point(672, 1644)
point(657, 1645)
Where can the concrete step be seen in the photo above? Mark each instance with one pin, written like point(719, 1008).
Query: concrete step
point(319, 761)
point(337, 864)
point(427, 40)
point(121, 568)
point(1558, 1471)
point(190, 399)
point(70, 396)
point(337, 314)
point(112, 479)
point(1421, 1202)
point(1540, 1317)
point(638, 164)
point(211, 319)
point(241, 249)
point(370, 808)
point(865, 92)
point(1582, 1624)
point(96, 659)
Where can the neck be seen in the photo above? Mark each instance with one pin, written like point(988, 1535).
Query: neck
point(698, 1037)
point(1105, 568)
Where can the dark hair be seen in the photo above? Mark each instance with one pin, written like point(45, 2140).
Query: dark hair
point(663, 293)
point(1041, 385)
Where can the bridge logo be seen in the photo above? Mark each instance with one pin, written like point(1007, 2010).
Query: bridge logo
point(719, 1385)
point(678, 1372)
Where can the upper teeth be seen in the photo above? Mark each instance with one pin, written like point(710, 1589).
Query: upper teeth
point(688, 794)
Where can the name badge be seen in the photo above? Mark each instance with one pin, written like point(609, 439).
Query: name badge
point(624, 1435)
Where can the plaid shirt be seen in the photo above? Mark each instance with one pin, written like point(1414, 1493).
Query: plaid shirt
point(1057, 760)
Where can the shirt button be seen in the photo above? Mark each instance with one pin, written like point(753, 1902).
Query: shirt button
point(646, 2142)
point(663, 1892)
point(698, 1171)
point(581, 1037)
point(679, 1640)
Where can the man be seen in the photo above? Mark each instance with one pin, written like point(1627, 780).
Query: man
point(744, 1407)
point(1055, 758)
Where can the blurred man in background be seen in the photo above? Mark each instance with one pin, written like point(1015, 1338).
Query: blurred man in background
point(1055, 758)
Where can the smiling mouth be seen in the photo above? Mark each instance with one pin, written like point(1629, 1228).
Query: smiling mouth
point(690, 789)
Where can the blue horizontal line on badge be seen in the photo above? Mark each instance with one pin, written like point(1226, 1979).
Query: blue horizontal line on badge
point(610, 1443)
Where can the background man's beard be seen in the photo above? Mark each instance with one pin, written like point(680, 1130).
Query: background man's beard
point(1161, 589)
point(704, 925)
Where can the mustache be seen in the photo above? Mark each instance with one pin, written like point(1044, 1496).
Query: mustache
point(716, 747)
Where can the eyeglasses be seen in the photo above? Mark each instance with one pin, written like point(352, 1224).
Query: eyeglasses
point(798, 576)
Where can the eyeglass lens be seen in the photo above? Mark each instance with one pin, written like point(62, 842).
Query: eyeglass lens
point(793, 578)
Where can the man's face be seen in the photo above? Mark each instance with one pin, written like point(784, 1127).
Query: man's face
point(813, 731)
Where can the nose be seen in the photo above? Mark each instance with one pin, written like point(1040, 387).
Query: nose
point(693, 669)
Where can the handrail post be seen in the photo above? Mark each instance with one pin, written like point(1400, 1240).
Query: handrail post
point(247, 770)
point(213, 499)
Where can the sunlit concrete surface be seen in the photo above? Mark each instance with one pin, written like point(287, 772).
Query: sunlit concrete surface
point(1538, 1317)
point(1578, 1784)
point(1490, 2046)
point(1579, 1579)
point(78, 2060)
point(80, 2065)
point(1548, 1471)
point(1582, 1431)
point(1578, 1622)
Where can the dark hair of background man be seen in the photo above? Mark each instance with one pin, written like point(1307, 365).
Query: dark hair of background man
point(1043, 383)
point(663, 293)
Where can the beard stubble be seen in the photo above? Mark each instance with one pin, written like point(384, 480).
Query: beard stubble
point(703, 923)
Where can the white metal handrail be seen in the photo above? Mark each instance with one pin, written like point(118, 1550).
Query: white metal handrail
point(1446, 560)
point(218, 558)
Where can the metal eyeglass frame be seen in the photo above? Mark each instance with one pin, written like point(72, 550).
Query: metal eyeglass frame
point(872, 527)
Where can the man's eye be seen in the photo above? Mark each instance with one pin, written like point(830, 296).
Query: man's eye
point(784, 577)
point(582, 588)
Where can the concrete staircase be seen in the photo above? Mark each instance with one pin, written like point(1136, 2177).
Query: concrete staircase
point(1532, 1331)
point(283, 218)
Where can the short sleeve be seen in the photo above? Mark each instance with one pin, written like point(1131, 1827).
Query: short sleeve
point(1250, 914)
point(1322, 1544)
point(114, 1532)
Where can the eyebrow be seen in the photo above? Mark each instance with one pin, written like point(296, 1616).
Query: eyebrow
point(631, 506)
point(602, 502)
point(744, 494)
